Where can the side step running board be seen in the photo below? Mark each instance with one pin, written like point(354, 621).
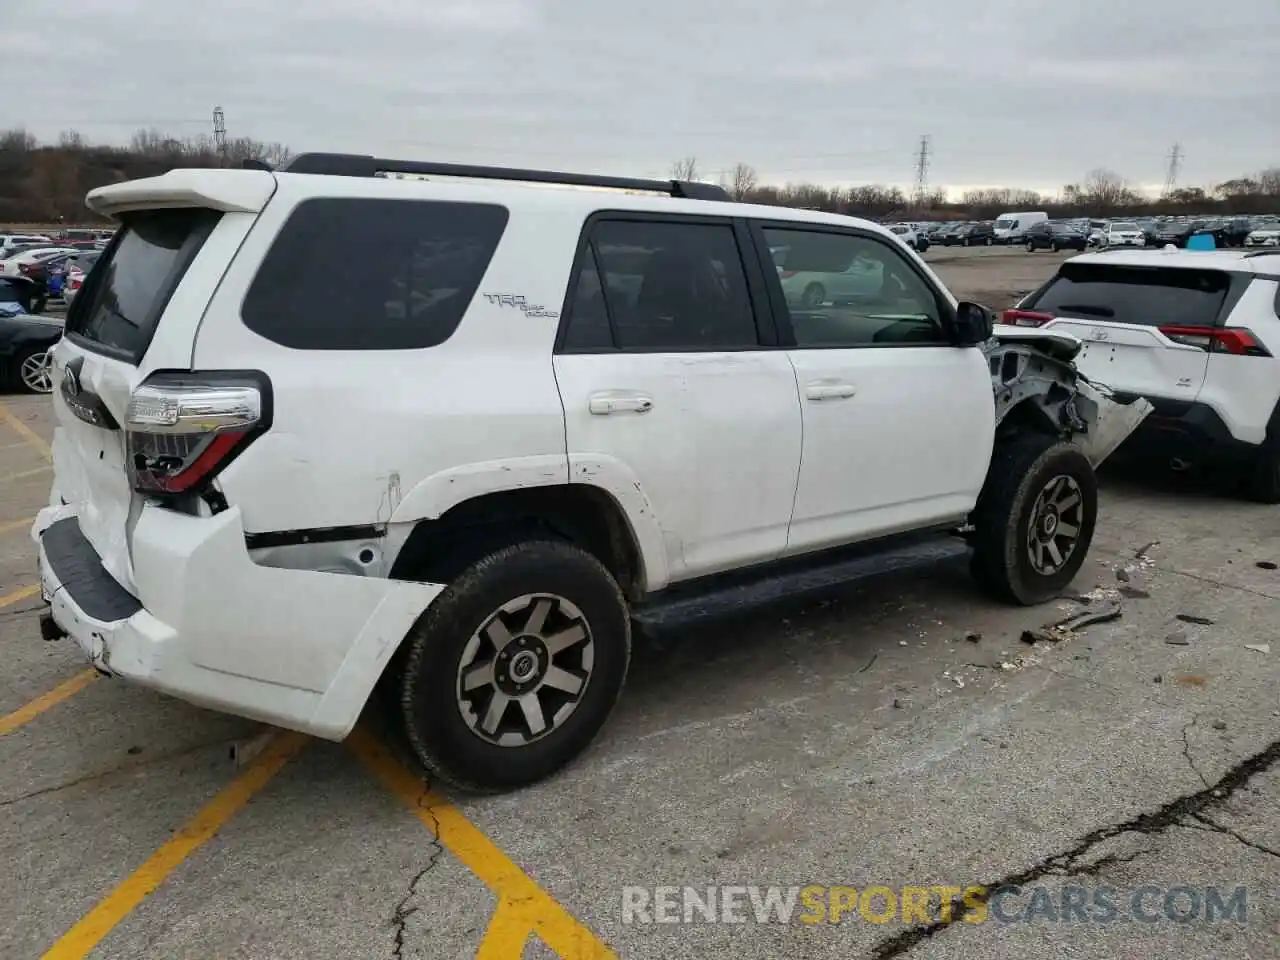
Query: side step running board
point(808, 582)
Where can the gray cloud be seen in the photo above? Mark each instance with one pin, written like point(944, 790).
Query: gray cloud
point(1025, 93)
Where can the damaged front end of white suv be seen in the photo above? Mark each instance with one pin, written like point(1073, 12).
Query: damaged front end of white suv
point(1035, 379)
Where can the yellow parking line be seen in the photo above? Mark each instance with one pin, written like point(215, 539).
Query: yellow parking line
point(77, 942)
point(21, 524)
point(40, 704)
point(14, 596)
point(506, 935)
point(523, 906)
point(43, 468)
point(27, 434)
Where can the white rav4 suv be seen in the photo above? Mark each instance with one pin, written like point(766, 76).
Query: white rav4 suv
point(447, 428)
point(1196, 333)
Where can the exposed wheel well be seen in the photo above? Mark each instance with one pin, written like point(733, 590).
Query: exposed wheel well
point(439, 550)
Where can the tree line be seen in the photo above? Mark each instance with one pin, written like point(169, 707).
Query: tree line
point(46, 183)
point(1101, 193)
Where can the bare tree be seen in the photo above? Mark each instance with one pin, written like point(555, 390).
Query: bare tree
point(1105, 188)
point(1269, 181)
point(17, 140)
point(685, 169)
point(71, 140)
point(741, 181)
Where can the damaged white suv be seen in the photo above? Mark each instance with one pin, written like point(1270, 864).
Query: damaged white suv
point(450, 428)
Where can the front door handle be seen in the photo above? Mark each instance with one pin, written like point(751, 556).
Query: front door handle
point(604, 404)
point(830, 390)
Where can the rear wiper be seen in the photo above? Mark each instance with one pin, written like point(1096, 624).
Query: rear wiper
point(1088, 310)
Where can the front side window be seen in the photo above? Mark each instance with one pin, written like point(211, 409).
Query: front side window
point(661, 286)
point(843, 290)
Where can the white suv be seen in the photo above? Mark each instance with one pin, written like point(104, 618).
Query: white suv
point(1195, 333)
point(458, 460)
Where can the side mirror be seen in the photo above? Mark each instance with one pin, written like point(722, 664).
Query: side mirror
point(975, 324)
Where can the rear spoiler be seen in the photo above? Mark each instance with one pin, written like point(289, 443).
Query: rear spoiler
point(231, 191)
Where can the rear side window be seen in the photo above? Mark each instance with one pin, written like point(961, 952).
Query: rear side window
point(355, 274)
point(1139, 295)
point(118, 312)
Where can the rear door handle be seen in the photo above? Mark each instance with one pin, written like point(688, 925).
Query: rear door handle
point(830, 390)
point(604, 404)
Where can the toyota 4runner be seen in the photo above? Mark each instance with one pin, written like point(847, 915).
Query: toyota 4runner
point(450, 427)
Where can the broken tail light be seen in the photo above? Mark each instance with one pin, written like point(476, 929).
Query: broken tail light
point(1025, 318)
point(1237, 341)
point(182, 429)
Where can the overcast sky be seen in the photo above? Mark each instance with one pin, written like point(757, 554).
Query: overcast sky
point(1013, 92)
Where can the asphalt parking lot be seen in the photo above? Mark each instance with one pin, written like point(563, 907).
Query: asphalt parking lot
point(890, 734)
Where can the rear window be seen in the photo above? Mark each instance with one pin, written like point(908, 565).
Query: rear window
point(118, 311)
point(1146, 296)
point(361, 274)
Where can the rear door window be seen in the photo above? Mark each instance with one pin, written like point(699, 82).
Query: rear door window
point(347, 273)
point(118, 312)
point(1148, 296)
point(661, 286)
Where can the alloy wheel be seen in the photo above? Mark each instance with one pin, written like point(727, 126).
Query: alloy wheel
point(523, 673)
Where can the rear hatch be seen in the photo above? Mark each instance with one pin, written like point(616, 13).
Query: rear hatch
point(137, 313)
point(1145, 330)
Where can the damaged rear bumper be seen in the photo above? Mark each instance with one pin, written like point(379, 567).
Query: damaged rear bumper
point(301, 649)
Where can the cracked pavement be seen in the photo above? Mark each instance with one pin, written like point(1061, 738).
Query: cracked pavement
point(865, 736)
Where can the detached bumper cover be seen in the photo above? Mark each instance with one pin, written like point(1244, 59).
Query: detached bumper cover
point(297, 648)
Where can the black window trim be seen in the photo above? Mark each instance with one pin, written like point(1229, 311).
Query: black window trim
point(778, 300)
point(86, 299)
point(767, 333)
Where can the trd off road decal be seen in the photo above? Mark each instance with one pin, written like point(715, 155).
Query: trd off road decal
point(518, 300)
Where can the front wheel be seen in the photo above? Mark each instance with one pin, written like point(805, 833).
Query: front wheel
point(1031, 247)
point(515, 667)
point(1034, 520)
point(815, 295)
point(31, 370)
point(988, 241)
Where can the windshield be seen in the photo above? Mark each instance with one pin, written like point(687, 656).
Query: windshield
point(1125, 227)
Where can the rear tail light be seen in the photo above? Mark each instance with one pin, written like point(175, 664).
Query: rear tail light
point(786, 274)
point(1238, 341)
point(1025, 318)
point(183, 428)
point(29, 268)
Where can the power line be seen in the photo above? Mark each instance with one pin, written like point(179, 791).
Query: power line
point(220, 133)
point(1175, 164)
point(922, 170)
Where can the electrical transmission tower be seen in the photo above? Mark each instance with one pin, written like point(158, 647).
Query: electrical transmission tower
point(922, 171)
point(220, 134)
point(1175, 163)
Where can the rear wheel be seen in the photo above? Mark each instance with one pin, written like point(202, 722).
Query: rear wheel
point(1262, 483)
point(1034, 520)
point(1031, 247)
point(815, 295)
point(515, 667)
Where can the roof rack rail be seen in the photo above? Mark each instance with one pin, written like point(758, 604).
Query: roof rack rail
point(357, 165)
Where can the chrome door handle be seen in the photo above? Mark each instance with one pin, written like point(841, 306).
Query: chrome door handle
point(604, 404)
point(827, 390)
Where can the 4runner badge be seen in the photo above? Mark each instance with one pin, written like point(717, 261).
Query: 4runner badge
point(518, 300)
point(1099, 335)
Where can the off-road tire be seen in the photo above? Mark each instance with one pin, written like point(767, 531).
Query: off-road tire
point(1262, 481)
point(433, 723)
point(1020, 470)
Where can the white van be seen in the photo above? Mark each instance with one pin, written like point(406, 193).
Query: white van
point(1010, 227)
